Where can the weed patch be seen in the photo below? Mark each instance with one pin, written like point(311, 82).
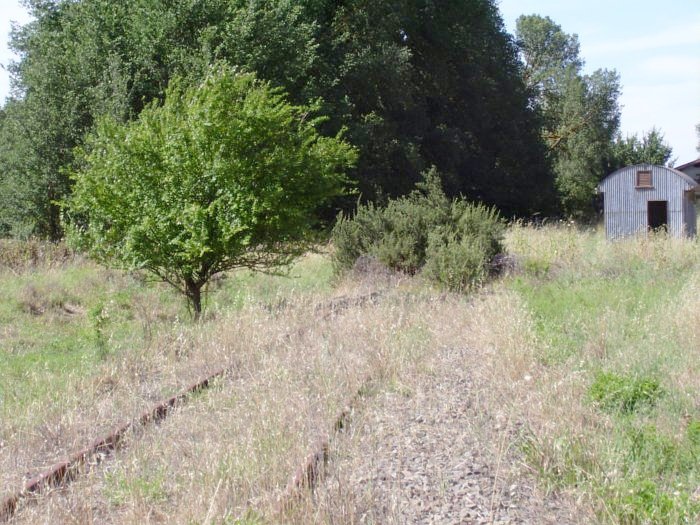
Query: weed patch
point(641, 501)
point(624, 394)
point(121, 488)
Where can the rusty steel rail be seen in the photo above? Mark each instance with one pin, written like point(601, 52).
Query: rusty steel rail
point(65, 471)
point(312, 469)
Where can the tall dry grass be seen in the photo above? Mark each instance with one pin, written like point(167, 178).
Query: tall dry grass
point(19, 256)
point(534, 342)
point(230, 451)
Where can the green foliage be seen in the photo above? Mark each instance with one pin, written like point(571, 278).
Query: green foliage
point(586, 122)
point(618, 393)
point(548, 54)
point(222, 175)
point(406, 224)
point(459, 252)
point(416, 88)
point(643, 501)
point(84, 60)
point(451, 241)
point(356, 235)
point(393, 74)
point(397, 234)
point(650, 149)
point(580, 113)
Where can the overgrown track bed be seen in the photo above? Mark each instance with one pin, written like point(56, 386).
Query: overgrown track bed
point(247, 435)
point(429, 453)
point(65, 471)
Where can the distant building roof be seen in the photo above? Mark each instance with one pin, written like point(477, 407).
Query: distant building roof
point(692, 164)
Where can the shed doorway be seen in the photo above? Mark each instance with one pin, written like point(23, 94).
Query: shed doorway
point(657, 212)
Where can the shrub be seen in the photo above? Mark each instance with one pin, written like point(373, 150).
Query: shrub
point(407, 224)
point(397, 234)
point(618, 393)
point(354, 237)
point(460, 251)
point(451, 241)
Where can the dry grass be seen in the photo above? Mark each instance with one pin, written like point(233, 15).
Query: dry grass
point(233, 448)
point(20, 256)
point(577, 306)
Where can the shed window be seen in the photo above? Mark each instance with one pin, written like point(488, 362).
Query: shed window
point(644, 179)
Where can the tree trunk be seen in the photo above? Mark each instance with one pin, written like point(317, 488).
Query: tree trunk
point(194, 296)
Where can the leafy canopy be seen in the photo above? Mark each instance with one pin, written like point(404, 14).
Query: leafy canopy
point(415, 83)
point(650, 149)
point(224, 174)
point(580, 113)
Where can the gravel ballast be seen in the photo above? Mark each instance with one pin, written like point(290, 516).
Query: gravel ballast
point(427, 453)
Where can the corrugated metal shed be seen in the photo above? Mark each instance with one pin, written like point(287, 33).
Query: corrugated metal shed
point(638, 198)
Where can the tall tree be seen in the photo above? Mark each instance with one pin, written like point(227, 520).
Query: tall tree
point(580, 112)
point(414, 82)
point(79, 60)
point(421, 83)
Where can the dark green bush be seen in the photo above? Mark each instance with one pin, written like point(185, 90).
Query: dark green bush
point(618, 393)
point(407, 223)
point(396, 234)
point(460, 251)
point(456, 263)
point(353, 237)
point(452, 242)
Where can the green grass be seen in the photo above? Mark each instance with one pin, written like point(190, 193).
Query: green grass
point(569, 307)
point(150, 489)
point(311, 274)
point(60, 324)
point(609, 313)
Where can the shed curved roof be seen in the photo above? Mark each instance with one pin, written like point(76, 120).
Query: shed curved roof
point(686, 178)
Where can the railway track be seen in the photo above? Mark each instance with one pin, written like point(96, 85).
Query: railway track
point(306, 476)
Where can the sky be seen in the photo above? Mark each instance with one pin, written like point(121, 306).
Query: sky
point(10, 11)
point(654, 46)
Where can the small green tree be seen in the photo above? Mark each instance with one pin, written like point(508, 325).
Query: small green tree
point(650, 149)
point(222, 175)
